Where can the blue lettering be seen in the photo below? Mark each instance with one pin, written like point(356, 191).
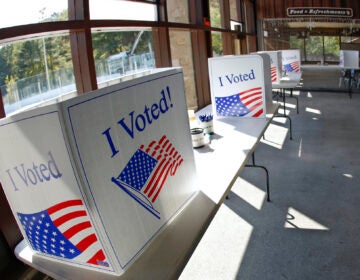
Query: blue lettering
point(31, 176)
point(155, 111)
point(125, 126)
point(229, 79)
point(221, 84)
point(54, 170)
point(12, 180)
point(235, 79)
point(44, 171)
point(114, 151)
point(35, 174)
point(138, 122)
point(23, 174)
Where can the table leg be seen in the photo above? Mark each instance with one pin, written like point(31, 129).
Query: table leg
point(267, 174)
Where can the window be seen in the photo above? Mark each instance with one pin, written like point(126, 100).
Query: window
point(32, 12)
point(120, 54)
point(317, 48)
point(34, 71)
point(298, 43)
point(121, 9)
point(215, 13)
point(331, 48)
point(216, 42)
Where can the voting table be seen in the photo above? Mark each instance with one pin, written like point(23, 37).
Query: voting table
point(144, 195)
point(218, 165)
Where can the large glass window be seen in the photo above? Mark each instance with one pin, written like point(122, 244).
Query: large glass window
point(331, 48)
point(122, 9)
point(35, 71)
point(216, 42)
point(314, 48)
point(122, 53)
point(215, 13)
point(19, 12)
point(297, 42)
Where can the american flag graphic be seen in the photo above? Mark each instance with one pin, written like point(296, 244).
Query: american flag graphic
point(273, 73)
point(145, 174)
point(292, 67)
point(246, 103)
point(64, 230)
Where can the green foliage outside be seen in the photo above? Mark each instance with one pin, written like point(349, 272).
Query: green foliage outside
point(316, 48)
point(26, 59)
point(215, 19)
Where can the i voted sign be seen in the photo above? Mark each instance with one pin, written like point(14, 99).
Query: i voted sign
point(133, 147)
point(275, 65)
point(291, 60)
point(237, 86)
point(41, 184)
point(92, 180)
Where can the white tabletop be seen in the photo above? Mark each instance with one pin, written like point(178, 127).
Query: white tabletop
point(291, 80)
point(218, 165)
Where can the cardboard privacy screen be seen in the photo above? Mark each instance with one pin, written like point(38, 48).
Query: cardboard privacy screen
point(349, 59)
point(275, 65)
point(291, 60)
point(94, 179)
point(238, 86)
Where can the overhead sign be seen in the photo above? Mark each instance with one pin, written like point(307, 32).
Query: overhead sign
point(92, 180)
point(238, 86)
point(319, 12)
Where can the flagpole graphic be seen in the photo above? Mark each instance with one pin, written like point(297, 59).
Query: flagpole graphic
point(146, 172)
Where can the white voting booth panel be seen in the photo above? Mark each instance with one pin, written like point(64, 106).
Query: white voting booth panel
point(92, 180)
point(349, 59)
point(239, 85)
point(275, 65)
point(291, 60)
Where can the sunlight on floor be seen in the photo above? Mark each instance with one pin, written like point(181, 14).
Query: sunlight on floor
point(314, 111)
point(279, 120)
point(300, 148)
point(275, 136)
point(298, 220)
point(348, 175)
point(250, 193)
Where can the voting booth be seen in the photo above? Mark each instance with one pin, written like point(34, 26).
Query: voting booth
point(349, 59)
point(291, 61)
point(275, 65)
point(240, 85)
point(92, 180)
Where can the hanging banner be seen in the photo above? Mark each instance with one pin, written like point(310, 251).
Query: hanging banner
point(238, 86)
